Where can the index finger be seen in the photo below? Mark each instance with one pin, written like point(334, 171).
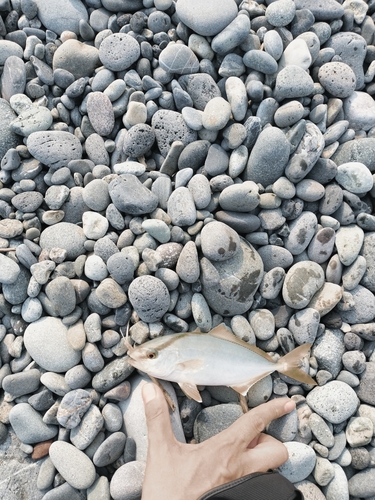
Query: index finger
point(251, 424)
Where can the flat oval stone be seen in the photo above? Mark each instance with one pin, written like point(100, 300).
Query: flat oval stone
point(50, 15)
point(219, 242)
point(355, 177)
point(301, 231)
point(281, 13)
point(231, 36)
point(216, 114)
point(301, 282)
point(54, 148)
point(72, 408)
point(127, 480)
point(292, 82)
point(361, 485)
point(334, 401)
point(229, 286)
point(268, 157)
point(80, 59)
point(119, 51)
point(349, 240)
point(178, 58)
point(32, 119)
point(129, 195)
point(28, 425)
point(46, 342)
point(110, 450)
point(9, 270)
point(100, 113)
point(300, 463)
point(181, 207)
point(8, 49)
point(210, 20)
point(240, 197)
point(28, 201)
point(64, 235)
point(322, 11)
point(74, 465)
point(260, 61)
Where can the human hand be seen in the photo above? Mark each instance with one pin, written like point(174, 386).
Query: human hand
point(178, 471)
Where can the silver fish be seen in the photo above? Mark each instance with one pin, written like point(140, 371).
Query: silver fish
point(214, 358)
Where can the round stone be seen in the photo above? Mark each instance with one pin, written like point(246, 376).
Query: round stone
point(127, 481)
point(281, 13)
point(355, 177)
point(210, 20)
point(219, 242)
point(119, 51)
point(359, 110)
point(28, 424)
point(178, 58)
point(150, 298)
point(139, 140)
point(301, 282)
point(301, 461)
point(46, 342)
point(338, 79)
point(334, 401)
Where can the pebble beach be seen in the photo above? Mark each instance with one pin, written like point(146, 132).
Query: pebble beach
point(168, 165)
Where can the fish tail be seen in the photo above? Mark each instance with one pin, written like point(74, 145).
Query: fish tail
point(289, 365)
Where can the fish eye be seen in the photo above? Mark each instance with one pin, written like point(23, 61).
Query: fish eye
point(151, 355)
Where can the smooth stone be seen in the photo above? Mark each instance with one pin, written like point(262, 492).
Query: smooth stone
point(28, 425)
point(268, 157)
point(135, 420)
point(354, 177)
point(326, 298)
point(119, 51)
point(13, 78)
point(349, 240)
point(49, 14)
point(74, 466)
point(219, 242)
point(129, 195)
point(296, 53)
point(366, 392)
point(240, 197)
point(302, 230)
point(322, 11)
point(99, 490)
point(301, 462)
point(88, 429)
point(150, 298)
point(8, 138)
point(72, 408)
point(110, 450)
point(359, 111)
point(280, 13)
point(321, 430)
point(8, 49)
point(288, 114)
point(338, 487)
point(21, 383)
point(361, 485)
point(187, 266)
point(229, 286)
point(210, 20)
point(33, 119)
point(200, 189)
point(334, 401)
point(179, 59)
point(239, 221)
point(301, 282)
point(292, 82)
point(216, 114)
point(9, 270)
point(16, 293)
point(364, 306)
point(181, 207)
point(338, 79)
point(126, 482)
point(80, 59)
point(54, 148)
point(359, 150)
point(169, 126)
point(46, 341)
point(321, 245)
point(231, 36)
point(304, 325)
point(237, 97)
point(111, 294)
point(275, 256)
point(100, 113)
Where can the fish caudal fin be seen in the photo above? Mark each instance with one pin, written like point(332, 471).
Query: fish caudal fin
point(289, 365)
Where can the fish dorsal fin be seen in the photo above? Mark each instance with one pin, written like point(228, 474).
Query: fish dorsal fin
point(244, 388)
point(191, 391)
point(222, 332)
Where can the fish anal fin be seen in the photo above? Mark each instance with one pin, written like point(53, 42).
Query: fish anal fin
point(191, 391)
point(244, 388)
point(289, 365)
point(222, 332)
point(191, 364)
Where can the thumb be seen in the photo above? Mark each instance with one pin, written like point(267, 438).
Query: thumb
point(157, 416)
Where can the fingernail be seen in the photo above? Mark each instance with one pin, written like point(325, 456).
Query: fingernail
point(289, 406)
point(148, 392)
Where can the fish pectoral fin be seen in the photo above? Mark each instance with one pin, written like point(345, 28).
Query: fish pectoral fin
point(244, 388)
point(191, 364)
point(222, 332)
point(191, 391)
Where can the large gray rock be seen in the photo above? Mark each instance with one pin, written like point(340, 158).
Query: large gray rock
point(54, 148)
point(61, 15)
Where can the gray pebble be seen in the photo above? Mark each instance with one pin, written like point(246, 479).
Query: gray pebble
point(21, 383)
point(301, 282)
point(169, 126)
point(328, 350)
point(231, 36)
point(178, 58)
point(211, 20)
point(301, 461)
point(87, 430)
point(366, 391)
point(210, 421)
point(275, 256)
point(338, 487)
point(361, 485)
point(28, 425)
point(119, 51)
point(149, 297)
point(54, 148)
point(321, 430)
point(201, 87)
point(110, 450)
point(293, 82)
point(74, 466)
point(129, 195)
point(126, 482)
point(260, 61)
point(334, 401)
point(181, 207)
point(139, 140)
point(338, 79)
point(351, 47)
point(301, 231)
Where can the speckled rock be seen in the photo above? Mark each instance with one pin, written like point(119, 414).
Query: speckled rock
point(334, 401)
point(301, 282)
point(301, 462)
point(150, 298)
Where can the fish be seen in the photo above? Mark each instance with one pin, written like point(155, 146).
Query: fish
point(215, 358)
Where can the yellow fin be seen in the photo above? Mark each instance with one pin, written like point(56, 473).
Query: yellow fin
point(191, 364)
point(191, 391)
point(244, 388)
point(289, 365)
point(222, 332)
